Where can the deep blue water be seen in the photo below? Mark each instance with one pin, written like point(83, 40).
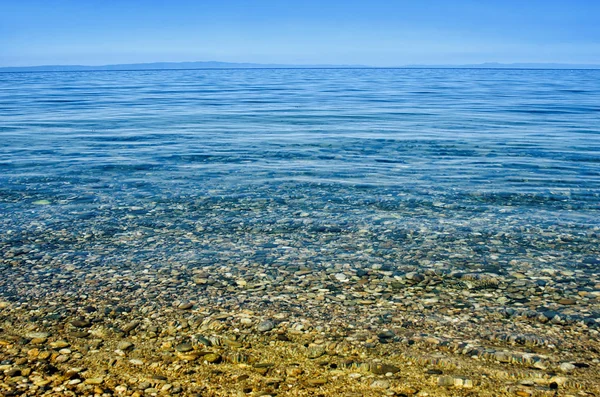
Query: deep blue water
point(444, 151)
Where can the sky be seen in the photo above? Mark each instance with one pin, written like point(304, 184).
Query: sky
point(365, 32)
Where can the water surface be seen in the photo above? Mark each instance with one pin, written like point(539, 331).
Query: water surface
point(466, 168)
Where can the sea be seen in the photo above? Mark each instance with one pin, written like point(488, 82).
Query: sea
point(303, 167)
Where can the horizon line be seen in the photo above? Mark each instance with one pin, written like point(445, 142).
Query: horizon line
point(301, 68)
point(203, 65)
point(597, 67)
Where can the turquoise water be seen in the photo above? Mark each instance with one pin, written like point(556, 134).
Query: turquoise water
point(308, 167)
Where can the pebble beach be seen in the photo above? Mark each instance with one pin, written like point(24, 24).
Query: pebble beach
point(287, 265)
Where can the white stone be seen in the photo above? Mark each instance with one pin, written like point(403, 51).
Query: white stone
point(341, 277)
point(567, 367)
point(37, 335)
point(380, 384)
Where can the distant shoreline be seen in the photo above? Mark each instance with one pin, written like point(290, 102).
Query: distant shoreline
point(288, 68)
point(156, 66)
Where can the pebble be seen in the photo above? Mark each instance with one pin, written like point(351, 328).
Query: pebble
point(567, 367)
point(315, 351)
point(143, 385)
point(94, 381)
point(61, 358)
point(184, 347)
point(190, 356)
point(37, 335)
point(317, 381)
point(341, 277)
point(265, 326)
point(125, 346)
point(445, 380)
point(559, 380)
point(130, 326)
point(13, 372)
point(185, 306)
point(60, 344)
point(201, 340)
point(540, 365)
point(212, 358)
point(415, 277)
point(293, 371)
point(81, 323)
point(380, 384)
point(523, 393)
point(383, 369)
point(42, 382)
point(567, 301)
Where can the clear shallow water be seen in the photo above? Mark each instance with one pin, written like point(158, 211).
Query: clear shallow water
point(407, 165)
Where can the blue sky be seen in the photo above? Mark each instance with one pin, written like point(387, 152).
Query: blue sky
point(370, 32)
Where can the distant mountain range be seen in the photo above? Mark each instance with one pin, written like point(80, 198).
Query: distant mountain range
point(496, 65)
point(231, 65)
point(166, 66)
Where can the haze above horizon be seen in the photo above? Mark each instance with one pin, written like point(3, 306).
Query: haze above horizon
point(378, 33)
